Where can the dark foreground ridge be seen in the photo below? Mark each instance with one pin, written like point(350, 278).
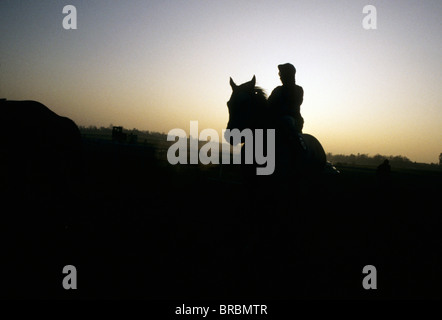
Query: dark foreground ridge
point(136, 227)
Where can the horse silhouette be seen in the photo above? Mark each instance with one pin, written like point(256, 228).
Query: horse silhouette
point(249, 108)
point(40, 152)
point(40, 172)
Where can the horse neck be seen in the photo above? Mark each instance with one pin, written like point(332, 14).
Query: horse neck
point(262, 118)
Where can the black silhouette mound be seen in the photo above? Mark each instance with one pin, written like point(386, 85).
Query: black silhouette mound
point(249, 108)
point(41, 151)
point(40, 173)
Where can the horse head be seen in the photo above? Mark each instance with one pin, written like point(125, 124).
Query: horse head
point(244, 105)
point(240, 104)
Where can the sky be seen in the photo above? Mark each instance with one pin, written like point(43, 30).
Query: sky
point(157, 65)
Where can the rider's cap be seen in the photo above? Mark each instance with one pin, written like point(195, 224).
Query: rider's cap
point(287, 69)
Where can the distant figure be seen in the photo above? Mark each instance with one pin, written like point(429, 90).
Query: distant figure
point(383, 173)
point(286, 100)
point(118, 134)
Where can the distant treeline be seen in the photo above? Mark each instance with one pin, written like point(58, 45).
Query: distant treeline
point(106, 133)
point(373, 161)
point(160, 140)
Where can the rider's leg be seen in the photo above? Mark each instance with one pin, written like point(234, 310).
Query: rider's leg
point(292, 129)
point(289, 126)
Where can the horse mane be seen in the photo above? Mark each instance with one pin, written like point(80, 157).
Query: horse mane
point(260, 92)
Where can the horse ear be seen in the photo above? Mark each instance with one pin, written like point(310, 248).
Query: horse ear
point(232, 84)
point(253, 82)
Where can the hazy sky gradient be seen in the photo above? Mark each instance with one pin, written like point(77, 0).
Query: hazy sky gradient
point(156, 65)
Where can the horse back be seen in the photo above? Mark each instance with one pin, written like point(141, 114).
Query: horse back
point(37, 144)
point(32, 123)
point(297, 161)
point(315, 156)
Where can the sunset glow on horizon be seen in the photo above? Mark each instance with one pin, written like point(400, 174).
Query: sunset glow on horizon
point(157, 65)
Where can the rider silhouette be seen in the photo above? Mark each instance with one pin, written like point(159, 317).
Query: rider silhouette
point(286, 102)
